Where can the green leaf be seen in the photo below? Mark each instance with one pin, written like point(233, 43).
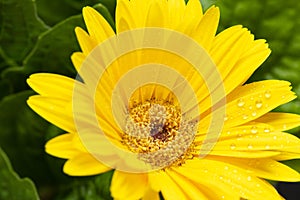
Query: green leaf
point(110, 5)
point(94, 188)
point(295, 164)
point(54, 48)
point(53, 12)
point(11, 186)
point(22, 137)
point(20, 28)
point(51, 54)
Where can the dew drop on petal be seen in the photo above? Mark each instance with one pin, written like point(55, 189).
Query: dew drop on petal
point(266, 105)
point(254, 129)
point(249, 178)
point(240, 102)
point(258, 104)
point(205, 171)
point(268, 94)
point(284, 126)
point(225, 118)
point(221, 177)
point(245, 117)
point(267, 130)
point(254, 114)
point(267, 147)
point(275, 137)
point(250, 146)
point(232, 146)
point(226, 168)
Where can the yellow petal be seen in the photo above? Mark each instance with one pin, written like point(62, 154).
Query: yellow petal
point(155, 15)
point(286, 156)
point(187, 186)
point(243, 154)
point(176, 10)
point(56, 111)
point(98, 28)
point(77, 60)
point(246, 65)
point(62, 146)
point(229, 177)
point(128, 185)
point(168, 187)
point(52, 85)
point(206, 29)
point(124, 19)
point(84, 164)
point(265, 168)
point(86, 43)
point(193, 10)
point(276, 141)
point(251, 101)
point(228, 47)
point(151, 195)
point(197, 191)
point(280, 121)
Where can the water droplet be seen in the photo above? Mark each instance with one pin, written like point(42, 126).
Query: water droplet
point(275, 137)
point(232, 146)
point(267, 105)
point(258, 104)
point(205, 171)
point(284, 126)
point(235, 171)
point(226, 167)
point(223, 197)
point(254, 114)
point(250, 146)
point(267, 94)
point(267, 147)
point(228, 132)
point(225, 118)
point(250, 107)
point(245, 117)
point(254, 129)
point(267, 130)
point(240, 102)
point(221, 177)
point(283, 97)
point(249, 178)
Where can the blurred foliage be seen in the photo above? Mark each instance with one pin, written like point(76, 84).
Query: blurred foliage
point(38, 36)
point(11, 186)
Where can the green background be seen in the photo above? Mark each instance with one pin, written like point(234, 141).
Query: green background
point(38, 36)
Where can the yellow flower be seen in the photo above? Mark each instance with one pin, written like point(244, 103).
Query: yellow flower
point(163, 102)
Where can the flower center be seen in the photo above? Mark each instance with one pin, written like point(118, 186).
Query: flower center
point(157, 132)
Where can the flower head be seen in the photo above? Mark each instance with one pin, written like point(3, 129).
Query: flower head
point(163, 101)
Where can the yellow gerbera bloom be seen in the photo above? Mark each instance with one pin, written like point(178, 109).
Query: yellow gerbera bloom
point(163, 102)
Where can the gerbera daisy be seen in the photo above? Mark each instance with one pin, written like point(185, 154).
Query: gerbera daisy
point(163, 102)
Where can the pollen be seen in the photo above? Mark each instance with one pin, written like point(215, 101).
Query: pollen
point(158, 133)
